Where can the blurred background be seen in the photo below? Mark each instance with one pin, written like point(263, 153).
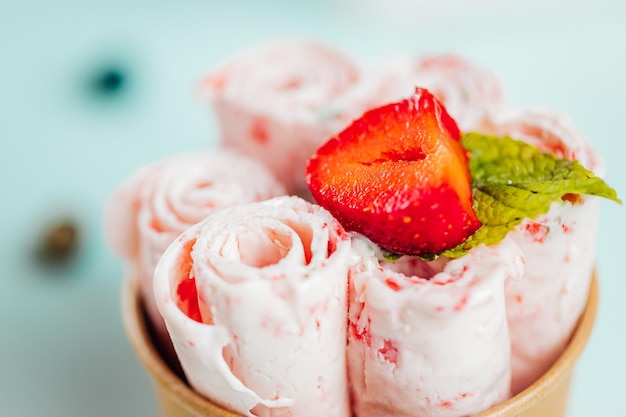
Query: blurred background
point(90, 90)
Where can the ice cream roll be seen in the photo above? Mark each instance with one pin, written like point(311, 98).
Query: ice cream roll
point(161, 200)
point(559, 246)
point(279, 101)
point(254, 298)
point(429, 338)
point(468, 91)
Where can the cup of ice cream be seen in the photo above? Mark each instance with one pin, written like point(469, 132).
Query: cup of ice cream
point(546, 397)
point(425, 270)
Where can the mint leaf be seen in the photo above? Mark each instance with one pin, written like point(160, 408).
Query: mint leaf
point(513, 180)
point(390, 256)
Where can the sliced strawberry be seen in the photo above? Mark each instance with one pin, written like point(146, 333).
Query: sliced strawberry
point(398, 175)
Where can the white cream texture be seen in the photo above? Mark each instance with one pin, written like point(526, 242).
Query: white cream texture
point(560, 249)
point(281, 100)
point(468, 91)
point(157, 203)
point(271, 280)
point(429, 339)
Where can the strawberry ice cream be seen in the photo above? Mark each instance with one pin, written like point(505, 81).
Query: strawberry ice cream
point(157, 203)
point(278, 307)
point(279, 101)
point(468, 91)
point(254, 298)
point(429, 339)
point(559, 247)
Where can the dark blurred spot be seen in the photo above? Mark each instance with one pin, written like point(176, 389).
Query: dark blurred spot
point(59, 243)
point(110, 81)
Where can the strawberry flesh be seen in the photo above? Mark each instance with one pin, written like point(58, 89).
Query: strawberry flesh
point(398, 175)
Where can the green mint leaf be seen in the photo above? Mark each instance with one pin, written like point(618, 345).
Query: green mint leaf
point(513, 180)
point(390, 256)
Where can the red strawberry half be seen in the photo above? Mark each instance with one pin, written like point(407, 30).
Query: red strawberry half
point(398, 175)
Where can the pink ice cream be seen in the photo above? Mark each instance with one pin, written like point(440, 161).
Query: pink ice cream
point(559, 246)
point(429, 339)
point(157, 203)
point(468, 91)
point(254, 298)
point(281, 100)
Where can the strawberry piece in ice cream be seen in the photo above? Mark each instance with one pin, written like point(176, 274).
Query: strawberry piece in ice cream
point(271, 281)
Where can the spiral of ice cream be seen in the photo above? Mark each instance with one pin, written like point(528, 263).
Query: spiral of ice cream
point(254, 298)
point(468, 91)
point(429, 339)
point(560, 248)
point(160, 201)
point(281, 100)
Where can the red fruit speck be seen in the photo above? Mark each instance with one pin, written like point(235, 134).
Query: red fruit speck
point(259, 132)
point(389, 352)
point(538, 231)
point(361, 334)
point(215, 82)
point(572, 198)
point(462, 302)
point(186, 291)
point(331, 247)
point(156, 225)
point(391, 283)
point(188, 299)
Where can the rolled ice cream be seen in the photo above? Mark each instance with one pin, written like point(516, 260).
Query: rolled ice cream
point(254, 298)
point(559, 246)
point(429, 338)
point(280, 100)
point(146, 213)
point(468, 91)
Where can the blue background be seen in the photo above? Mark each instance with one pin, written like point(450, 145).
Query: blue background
point(65, 147)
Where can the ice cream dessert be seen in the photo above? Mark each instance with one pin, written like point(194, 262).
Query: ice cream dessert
point(266, 285)
point(403, 290)
point(431, 337)
point(559, 248)
point(146, 213)
point(426, 340)
point(281, 100)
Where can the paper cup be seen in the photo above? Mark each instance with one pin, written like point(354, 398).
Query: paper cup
point(547, 397)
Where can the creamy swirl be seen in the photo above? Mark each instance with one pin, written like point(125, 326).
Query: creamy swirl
point(429, 338)
point(281, 100)
point(160, 201)
point(467, 91)
point(254, 298)
point(559, 246)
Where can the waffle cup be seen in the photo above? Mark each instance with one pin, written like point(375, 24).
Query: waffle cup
point(546, 397)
